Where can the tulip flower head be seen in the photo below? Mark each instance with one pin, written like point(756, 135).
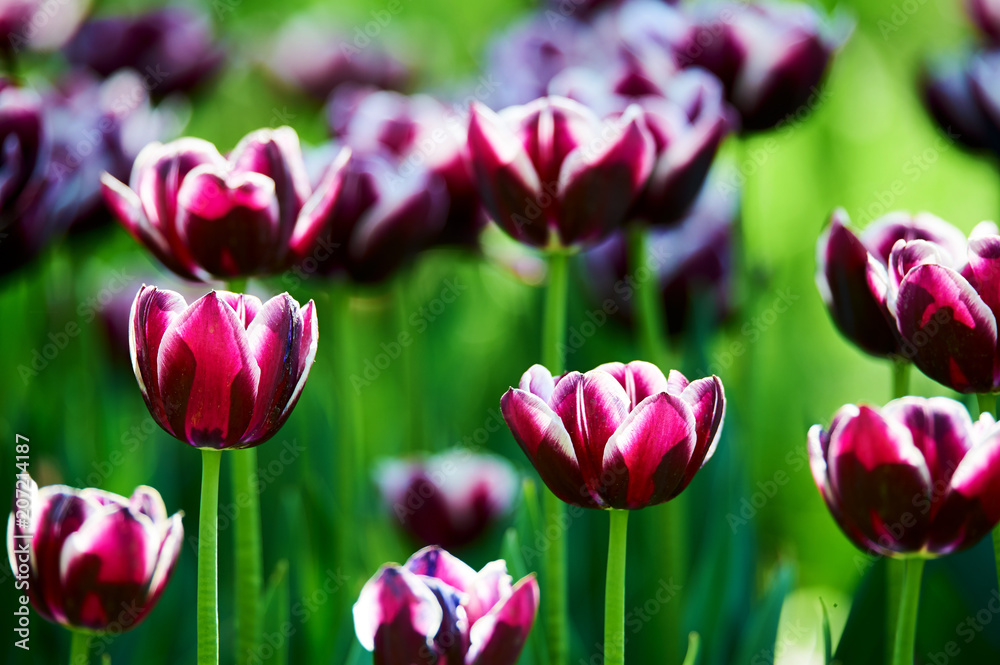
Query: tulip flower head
point(914, 478)
point(96, 561)
point(436, 609)
point(985, 15)
point(225, 371)
point(961, 94)
point(21, 129)
point(551, 173)
point(619, 436)
point(858, 307)
point(448, 499)
point(204, 215)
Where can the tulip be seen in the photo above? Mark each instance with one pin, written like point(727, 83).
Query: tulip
point(771, 57)
point(449, 499)
point(985, 15)
point(858, 307)
point(619, 436)
point(21, 130)
point(436, 609)
point(173, 47)
point(206, 215)
point(961, 95)
point(552, 174)
point(96, 561)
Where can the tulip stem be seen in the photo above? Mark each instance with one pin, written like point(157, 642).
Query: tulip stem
point(614, 593)
point(248, 561)
point(647, 307)
point(900, 378)
point(894, 570)
point(554, 580)
point(906, 624)
point(988, 404)
point(208, 550)
point(694, 645)
point(79, 648)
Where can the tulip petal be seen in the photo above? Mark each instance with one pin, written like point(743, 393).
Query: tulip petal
point(277, 154)
point(707, 400)
point(166, 558)
point(153, 312)
point(949, 331)
point(971, 509)
point(438, 563)
point(539, 381)
point(676, 382)
point(207, 375)
point(397, 617)
point(984, 259)
point(491, 586)
point(316, 211)
point(498, 638)
point(639, 378)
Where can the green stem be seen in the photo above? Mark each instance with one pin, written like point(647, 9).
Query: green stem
point(900, 378)
point(906, 632)
point(554, 581)
point(248, 562)
point(648, 310)
point(894, 568)
point(988, 404)
point(208, 550)
point(614, 592)
point(79, 648)
point(413, 390)
point(694, 645)
point(349, 458)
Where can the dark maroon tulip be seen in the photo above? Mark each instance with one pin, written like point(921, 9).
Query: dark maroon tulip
point(985, 15)
point(93, 560)
point(619, 436)
point(960, 93)
point(225, 371)
point(449, 499)
point(415, 132)
point(22, 138)
point(317, 58)
point(435, 609)
point(551, 173)
point(206, 215)
point(946, 307)
point(916, 477)
point(858, 307)
point(172, 48)
point(771, 57)
point(692, 262)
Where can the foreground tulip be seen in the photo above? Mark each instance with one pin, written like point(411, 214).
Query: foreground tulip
point(436, 609)
point(552, 174)
point(448, 499)
point(94, 562)
point(206, 215)
point(916, 479)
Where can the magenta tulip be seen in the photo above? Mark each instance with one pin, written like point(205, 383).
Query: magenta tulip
point(435, 609)
point(204, 215)
point(94, 561)
point(449, 499)
point(619, 436)
point(985, 15)
point(916, 477)
point(225, 371)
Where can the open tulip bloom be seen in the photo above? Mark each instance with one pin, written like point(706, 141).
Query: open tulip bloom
point(94, 561)
point(916, 479)
point(618, 437)
point(435, 609)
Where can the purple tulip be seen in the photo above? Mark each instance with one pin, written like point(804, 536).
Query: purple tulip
point(771, 57)
point(172, 48)
point(551, 173)
point(985, 15)
point(916, 477)
point(619, 436)
point(94, 561)
point(225, 371)
point(435, 609)
point(449, 499)
point(858, 307)
point(961, 94)
point(206, 215)
point(22, 138)
point(945, 305)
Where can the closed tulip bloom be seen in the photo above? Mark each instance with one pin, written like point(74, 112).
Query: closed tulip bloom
point(619, 436)
point(914, 478)
point(225, 371)
point(97, 561)
point(449, 499)
point(435, 609)
point(204, 215)
point(961, 94)
point(858, 308)
point(551, 173)
point(21, 132)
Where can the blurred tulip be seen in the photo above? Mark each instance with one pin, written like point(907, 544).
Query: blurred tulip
point(692, 262)
point(449, 499)
point(414, 132)
point(771, 57)
point(916, 477)
point(961, 94)
point(225, 371)
point(94, 561)
point(945, 305)
point(985, 14)
point(172, 48)
point(857, 305)
point(206, 215)
point(318, 58)
point(21, 135)
point(619, 436)
point(552, 174)
point(435, 609)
